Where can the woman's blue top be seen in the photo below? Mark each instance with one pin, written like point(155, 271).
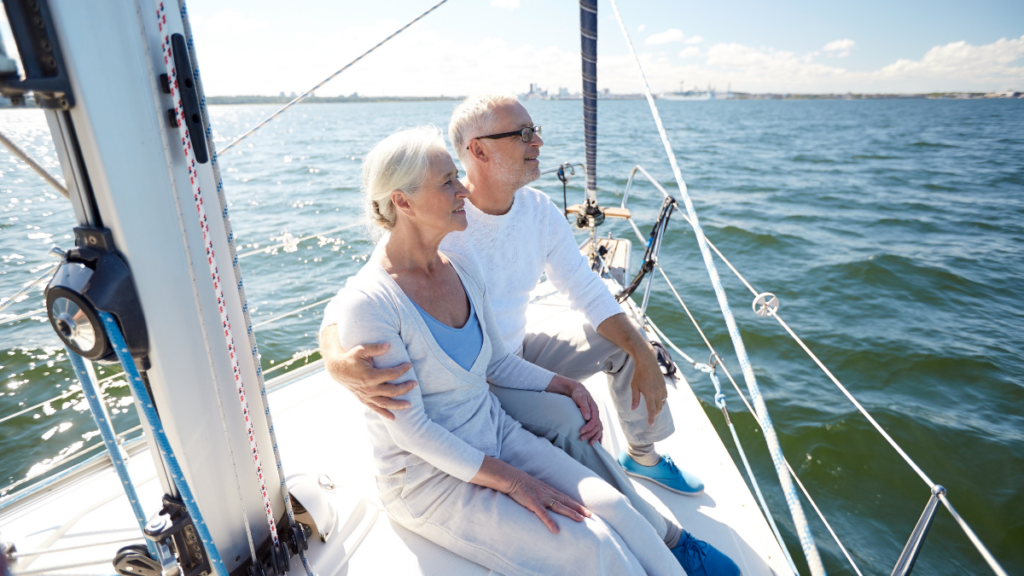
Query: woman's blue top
point(460, 344)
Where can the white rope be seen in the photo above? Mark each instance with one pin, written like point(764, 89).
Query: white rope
point(6, 490)
point(78, 547)
point(854, 401)
point(750, 472)
point(292, 313)
point(822, 516)
point(25, 290)
point(250, 333)
point(29, 314)
point(197, 194)
point(927, 480)
point(17, 151)
point(40, 405)
point(305, 94)
point(792, 498)
point(296, 242)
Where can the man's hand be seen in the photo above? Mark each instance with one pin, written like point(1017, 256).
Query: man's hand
point(648, 381)
point(593, 430)
point(354, 370)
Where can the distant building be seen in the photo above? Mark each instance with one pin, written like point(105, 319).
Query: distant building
point(535, 93)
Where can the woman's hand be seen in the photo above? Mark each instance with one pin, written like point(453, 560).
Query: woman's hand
point(529, 492)
point(593, 430)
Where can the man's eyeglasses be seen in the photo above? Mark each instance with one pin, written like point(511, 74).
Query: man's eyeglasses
point(525, 134)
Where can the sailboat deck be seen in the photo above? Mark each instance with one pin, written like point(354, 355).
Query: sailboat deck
point(321, 431)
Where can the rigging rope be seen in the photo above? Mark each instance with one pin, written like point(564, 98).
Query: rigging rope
point(982, 549)
point(148, 412)
point(190, 161)
point(753, 413)
point(720, 403)
point(233, 254)
point(792, 499)
point(25, 290)
point(17, 151)
point(306, 94)
point(99, 413)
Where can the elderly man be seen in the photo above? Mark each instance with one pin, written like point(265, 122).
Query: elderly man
point(514, 234)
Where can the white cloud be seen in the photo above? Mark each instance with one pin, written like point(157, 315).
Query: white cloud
point(666, 37)
point(989, 63)
point(694, 40)
point(506, 4)
point(640, 28)
point(235, 56)
point(840, 48)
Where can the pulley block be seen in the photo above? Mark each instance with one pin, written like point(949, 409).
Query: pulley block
point(134, 560)
point(94, 278)
point(173, 527)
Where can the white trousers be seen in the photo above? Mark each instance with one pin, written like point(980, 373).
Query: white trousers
point(493, 530)
point(567, 344)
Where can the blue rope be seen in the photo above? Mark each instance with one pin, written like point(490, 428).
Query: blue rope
point(99, 414)
point(153, 419)
point(720, 403)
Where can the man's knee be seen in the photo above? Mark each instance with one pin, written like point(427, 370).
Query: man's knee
point(552, 416)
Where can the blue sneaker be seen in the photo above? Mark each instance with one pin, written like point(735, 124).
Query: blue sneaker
point(665, 473)
point(698, 558)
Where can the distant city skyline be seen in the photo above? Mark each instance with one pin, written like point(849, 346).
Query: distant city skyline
point(257, 47)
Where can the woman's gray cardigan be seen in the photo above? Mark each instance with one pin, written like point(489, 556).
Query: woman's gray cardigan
point(454, 419)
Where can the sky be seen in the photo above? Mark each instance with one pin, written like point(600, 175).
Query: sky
point(797, 46)
point(801, 46)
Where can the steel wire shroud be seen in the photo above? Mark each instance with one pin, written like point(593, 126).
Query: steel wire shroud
point(792, 499)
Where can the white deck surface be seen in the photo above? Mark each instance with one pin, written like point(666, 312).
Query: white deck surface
point(321, 431)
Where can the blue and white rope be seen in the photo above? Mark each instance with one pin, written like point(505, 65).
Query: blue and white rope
point(792, 499)
point(720, 403)
point(163, 444)
point(99, 413)
point(233, 254)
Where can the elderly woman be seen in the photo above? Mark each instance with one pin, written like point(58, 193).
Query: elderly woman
point(454, 467)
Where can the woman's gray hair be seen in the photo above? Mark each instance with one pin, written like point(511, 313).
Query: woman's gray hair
point(398, 162)
point(472, 116)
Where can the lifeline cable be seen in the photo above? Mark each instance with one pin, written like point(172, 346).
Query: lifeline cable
point(792, 498)
point(305, 94)
point(190, 161)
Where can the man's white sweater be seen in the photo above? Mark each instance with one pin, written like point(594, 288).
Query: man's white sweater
point(513, 249)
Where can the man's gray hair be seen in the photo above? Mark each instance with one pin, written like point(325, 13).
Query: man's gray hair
point(472, 116)
point(398, 162)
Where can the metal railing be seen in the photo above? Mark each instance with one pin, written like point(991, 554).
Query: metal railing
point(765, 304)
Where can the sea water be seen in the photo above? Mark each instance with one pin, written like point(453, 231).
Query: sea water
point(891, 230)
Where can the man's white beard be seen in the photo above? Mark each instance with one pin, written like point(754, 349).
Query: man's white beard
point(514, 175)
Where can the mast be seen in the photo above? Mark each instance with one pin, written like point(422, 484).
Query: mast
point(128, 180)
point(588, 44)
